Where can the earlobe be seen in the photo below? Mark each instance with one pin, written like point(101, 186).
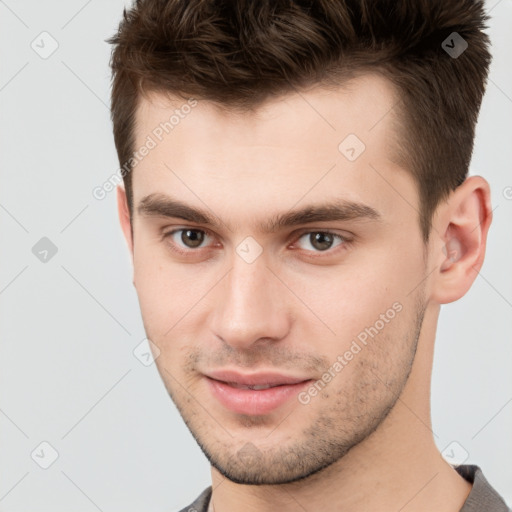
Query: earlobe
point(463, 222)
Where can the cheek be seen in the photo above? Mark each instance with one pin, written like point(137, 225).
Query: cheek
point(173, 297)
point(161, 289)
point(370, 297)
point(348, 299)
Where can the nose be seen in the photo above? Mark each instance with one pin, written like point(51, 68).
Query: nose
point(250, 306)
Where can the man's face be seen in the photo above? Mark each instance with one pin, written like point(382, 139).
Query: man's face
point(327, 312)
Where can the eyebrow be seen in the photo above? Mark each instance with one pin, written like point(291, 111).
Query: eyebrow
point(161, 205)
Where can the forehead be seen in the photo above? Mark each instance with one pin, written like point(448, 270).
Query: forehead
point(306, 144)
point(362, 105)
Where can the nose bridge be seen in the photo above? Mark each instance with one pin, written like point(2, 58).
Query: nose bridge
point(249, 305)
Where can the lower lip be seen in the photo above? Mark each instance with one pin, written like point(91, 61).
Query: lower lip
point(251, 401)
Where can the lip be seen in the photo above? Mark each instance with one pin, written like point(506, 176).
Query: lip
point(225, 387)
point(254, 379)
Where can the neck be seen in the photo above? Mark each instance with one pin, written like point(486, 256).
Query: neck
point(397, 468)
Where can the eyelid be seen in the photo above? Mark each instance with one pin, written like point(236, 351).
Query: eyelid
point(170, 233)
point(345, 241)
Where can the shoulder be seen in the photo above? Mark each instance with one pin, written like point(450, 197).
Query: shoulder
point(482, 496)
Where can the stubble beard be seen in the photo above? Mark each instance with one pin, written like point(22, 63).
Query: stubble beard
point(336, 430)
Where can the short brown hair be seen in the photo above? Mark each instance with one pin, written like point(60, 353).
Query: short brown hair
point(239, 53)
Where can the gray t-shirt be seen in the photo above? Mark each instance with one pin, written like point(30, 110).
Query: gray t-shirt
point(481, 498)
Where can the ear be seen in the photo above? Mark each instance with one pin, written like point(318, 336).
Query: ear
point(462, 224)
point(124, 218)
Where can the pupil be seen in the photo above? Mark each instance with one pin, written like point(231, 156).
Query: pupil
point(192, 238)
point(321, 241)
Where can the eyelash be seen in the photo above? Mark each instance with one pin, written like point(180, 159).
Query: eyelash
point(345, 242)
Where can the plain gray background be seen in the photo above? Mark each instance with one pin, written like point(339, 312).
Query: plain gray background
point(69, 326)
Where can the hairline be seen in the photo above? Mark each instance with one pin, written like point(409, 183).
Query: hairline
point(334, 79)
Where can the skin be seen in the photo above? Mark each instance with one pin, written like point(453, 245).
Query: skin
point(365, 441)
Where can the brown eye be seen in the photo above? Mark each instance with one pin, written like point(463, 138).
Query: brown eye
point(186, 239)
point(321, 241)
point(192, 238)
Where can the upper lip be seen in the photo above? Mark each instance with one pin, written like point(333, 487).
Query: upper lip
point(254, 379)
